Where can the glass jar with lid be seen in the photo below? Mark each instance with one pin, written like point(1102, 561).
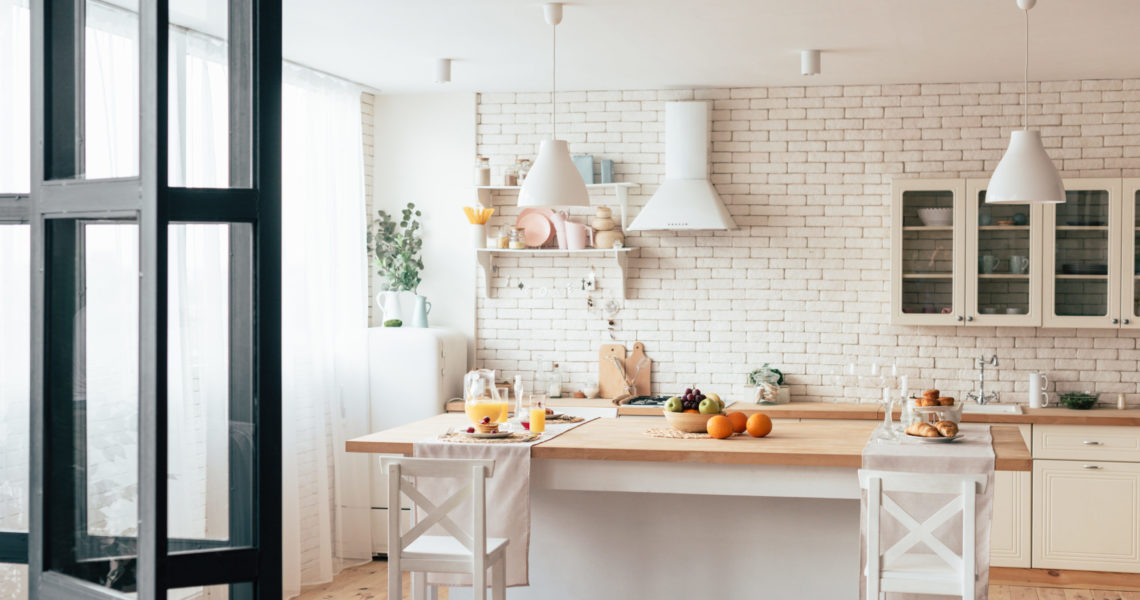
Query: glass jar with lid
point(518, 238)
point(524, 165)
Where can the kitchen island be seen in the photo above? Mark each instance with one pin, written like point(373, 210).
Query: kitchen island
point(619, 514)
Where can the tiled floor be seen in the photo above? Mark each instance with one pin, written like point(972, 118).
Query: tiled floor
point(370, 582)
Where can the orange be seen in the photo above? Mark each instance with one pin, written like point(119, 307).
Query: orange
point(739, 421)
point(692, 410)
point(719, 427)
point(759, 425)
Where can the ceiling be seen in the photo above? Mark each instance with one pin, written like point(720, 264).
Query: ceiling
point(504, 45)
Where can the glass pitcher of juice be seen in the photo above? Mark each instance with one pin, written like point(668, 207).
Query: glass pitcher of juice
point(481, 398)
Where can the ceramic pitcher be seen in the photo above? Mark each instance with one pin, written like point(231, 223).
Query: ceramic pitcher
point(577, 235)
point(420, 311)
point(558, 219)
point(389, 304)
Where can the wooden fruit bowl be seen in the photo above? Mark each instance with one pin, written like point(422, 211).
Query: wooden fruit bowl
point(688, 422)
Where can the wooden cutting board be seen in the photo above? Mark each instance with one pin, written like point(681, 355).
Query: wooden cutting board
point(610, 382)
point(641, 384)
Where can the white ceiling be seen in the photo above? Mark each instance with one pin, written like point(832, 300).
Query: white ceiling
point(501, 45)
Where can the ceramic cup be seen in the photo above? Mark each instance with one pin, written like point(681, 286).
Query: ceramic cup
point(1018, 264)
point(1020, 219)
point(1038, 397)
point(988, 263)
point(985, 220)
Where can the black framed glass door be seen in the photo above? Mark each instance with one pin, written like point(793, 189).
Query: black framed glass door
point(155, 317)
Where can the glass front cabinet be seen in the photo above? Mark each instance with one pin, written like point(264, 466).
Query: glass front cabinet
point(956, 260)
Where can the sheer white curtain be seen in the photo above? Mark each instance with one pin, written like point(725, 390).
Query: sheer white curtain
point(326, 502)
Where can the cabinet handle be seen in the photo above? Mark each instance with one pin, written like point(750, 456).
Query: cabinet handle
point(1126, 321)
point(1091, 443)
point(1092, 467)
point(970, 318)
point(1115, 321)
point(959, 317)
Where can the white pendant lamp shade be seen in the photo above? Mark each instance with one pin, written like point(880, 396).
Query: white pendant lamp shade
point(553, 180)
point(1026, 174)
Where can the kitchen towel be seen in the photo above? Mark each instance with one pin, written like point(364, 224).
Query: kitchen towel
point(973, 454)
point(508, 497)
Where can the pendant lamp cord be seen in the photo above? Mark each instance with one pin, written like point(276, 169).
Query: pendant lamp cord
point(1025, 77)
point(553, 80)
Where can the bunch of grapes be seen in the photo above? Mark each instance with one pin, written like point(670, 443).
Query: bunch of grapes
point(691, 399)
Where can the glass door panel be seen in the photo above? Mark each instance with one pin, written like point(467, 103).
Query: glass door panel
point(1130, 263)
point(1002, 250)
point(1081, 245)
point(927, 246)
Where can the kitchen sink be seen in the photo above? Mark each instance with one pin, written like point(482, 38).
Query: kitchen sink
point(992, 409)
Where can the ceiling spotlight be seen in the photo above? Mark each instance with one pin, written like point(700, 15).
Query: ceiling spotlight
point(809, 62)
point(443, 70)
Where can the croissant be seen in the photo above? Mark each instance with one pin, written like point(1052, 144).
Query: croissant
point(947, 428)
point(922, 429)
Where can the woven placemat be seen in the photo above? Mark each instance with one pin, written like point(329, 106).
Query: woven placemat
point(676, 434)
point(462, 438)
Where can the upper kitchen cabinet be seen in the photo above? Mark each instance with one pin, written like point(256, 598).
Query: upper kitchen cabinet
point(1083, 258)
point(1003, 266)
point(1130, 262)
point(927, 251)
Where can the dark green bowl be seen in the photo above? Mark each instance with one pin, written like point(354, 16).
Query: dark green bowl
point(1078, 400)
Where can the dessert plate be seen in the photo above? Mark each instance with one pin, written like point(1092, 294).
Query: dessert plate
point(935, 440)
point(536, 225)
point(490, 436)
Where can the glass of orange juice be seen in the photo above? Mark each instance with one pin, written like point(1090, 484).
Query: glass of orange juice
point(504, 396)
point(537, 413)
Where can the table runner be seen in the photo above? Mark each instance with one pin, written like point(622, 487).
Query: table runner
point(508, 496)
point(973, 454)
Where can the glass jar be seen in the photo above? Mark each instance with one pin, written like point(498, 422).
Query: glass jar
point(482, 170)
point(480, 397)
point(511, 175)
point(518, 239)
point(503, 238)
point(524, 165)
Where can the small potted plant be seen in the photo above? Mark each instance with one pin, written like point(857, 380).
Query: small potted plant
point(395, 247)
point(767, 381)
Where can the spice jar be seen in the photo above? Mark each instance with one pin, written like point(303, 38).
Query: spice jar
point(517, 241)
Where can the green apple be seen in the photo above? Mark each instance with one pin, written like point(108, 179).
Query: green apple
point(716, 397)
point(709, 406)
point(674, 405)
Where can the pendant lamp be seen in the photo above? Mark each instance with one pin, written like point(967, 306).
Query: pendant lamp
point(1025, 174)
point(553, 180)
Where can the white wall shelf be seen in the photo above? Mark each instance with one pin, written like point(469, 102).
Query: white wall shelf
point(486, 258)
point(486, 194)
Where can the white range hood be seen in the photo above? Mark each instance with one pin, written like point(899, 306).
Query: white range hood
point(686, 200)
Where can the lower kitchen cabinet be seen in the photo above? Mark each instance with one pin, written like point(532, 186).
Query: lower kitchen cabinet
point(1010, 526)
point(1086, 515)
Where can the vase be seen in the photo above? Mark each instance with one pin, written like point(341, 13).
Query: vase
point(420, 312)
point(389, 304)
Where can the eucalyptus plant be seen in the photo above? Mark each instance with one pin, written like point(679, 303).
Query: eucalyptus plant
point(395, 247)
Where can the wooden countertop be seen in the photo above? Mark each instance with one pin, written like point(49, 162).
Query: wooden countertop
point(808, 443)
point(456, 406)
point(1036, 416)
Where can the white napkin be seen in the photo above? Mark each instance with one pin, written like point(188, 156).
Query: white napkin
point(974, 454)
point(508, 497)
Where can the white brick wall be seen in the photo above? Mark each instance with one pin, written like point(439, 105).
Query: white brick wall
point(803, 284)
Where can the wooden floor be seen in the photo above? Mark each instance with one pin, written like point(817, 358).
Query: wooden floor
point(370, 582)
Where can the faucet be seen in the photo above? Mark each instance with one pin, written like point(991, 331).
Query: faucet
point(981, 397)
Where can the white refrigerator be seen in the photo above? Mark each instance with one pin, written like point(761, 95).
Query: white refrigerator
point(412, 373)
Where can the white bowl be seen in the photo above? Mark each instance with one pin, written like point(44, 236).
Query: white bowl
point(936, 217)
point(689, 422)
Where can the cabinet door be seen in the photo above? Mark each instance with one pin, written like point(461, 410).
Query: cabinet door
point(1130, 265)
point(927, 250)
point(1009, 528)
point(1083, 256)
point(1086, 515)
point(1003, 261)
